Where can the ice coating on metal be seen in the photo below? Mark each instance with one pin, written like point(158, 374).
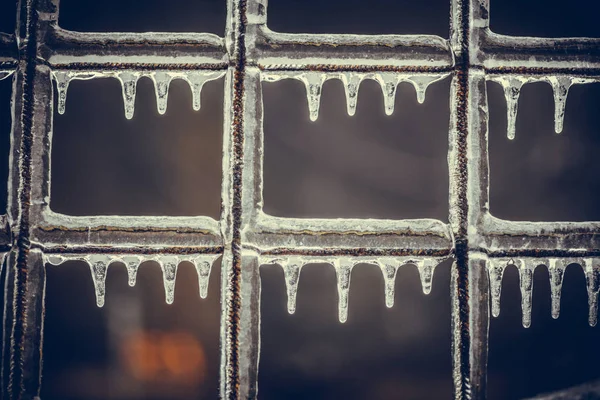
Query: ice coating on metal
point(129, 79)
point(496, 271)
point(99, 264)
point(512, 85)
point(248, 53)
point(343, 271)
point(388, 81)
point(292, 267)
point(592, 278)
point(556, 270)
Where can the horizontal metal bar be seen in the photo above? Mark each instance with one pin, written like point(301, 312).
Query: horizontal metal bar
point(537, 237)
point(571, 54)
point(357, 252)
point(57, 229)
point(273, 50)
point(305, 233)
point(76, 48)
point(112, 249)
point(541, 253)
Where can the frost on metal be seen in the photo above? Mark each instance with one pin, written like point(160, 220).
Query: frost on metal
point(248, 56)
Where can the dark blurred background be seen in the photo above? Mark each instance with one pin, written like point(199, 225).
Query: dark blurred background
point(369, 165)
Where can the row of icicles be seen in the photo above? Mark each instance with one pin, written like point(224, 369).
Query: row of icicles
point(314, 81)
point(343, 266)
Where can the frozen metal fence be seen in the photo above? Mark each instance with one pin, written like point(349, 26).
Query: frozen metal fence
point(481, 245)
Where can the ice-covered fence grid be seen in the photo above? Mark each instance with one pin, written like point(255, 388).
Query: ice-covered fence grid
point(40, 53)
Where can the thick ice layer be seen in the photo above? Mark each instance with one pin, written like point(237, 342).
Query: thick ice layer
point(556, 270)
point(512, 85)
point(128, 79)
point(388, 81)
point(99, 264)
point(292, 266)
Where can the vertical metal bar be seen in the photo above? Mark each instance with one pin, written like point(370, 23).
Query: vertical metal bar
point(233, 386)
point(19, 306)
point(470, 315)
point(25, 284)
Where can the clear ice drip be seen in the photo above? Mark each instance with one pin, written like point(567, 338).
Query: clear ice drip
point(99, 264)
point(388, 81)
point(556, 269)
point(132, 263)
point(196, 80)
point(512, 89)
point(343, 269)
point(426, 269)
point(496, 271)
point(291, 270)
point(62, 85)
point(162, 81)
point(129, 84)
point(351, 83)
point(314, 85)
point(526, 270)
point(203, 267)
point(63, 79)
point(421, 82)
point(343, 266)
point(389, 268)
point(592, 278)
point(389, 84)
point(560, 87)
point(168, 265)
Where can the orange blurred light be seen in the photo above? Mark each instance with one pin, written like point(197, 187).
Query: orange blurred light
point(166, 357)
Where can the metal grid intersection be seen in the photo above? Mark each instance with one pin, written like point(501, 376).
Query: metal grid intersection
point(248, 55)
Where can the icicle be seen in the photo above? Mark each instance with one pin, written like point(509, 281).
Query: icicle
point(426, 268)
point(128, 84)
point(98, 265)
point(592, 278)
point(560, 86)
point(388, 83)
point(62, 85)
point(291, 271)
point(389, 268)
point(203, 267)
point(351, 85)
point(169, 264)
point(526, 269)
point(343, 269)
point(196, 80)
point(512, 90)
point(422, 82)
point(556, 269)
point(162, 81)
point(314, 83)
point(132, 264)
point(496, 271)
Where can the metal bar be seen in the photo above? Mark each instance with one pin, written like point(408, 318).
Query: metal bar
point(470, 317)
point(232, 365)
point(25, 272)
point(75, 49)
